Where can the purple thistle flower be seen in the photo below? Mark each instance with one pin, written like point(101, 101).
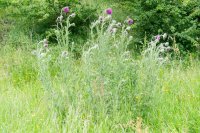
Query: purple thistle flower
point(66, 9)
point(109, 11)
point(130, 21)
point(158, 37)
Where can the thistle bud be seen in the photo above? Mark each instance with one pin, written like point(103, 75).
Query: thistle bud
point(166, 44)
point(64, 54)
point(73, 24)
point(108, 17)
point(114, 21)
point(60, 18)
point(130, 38)
point(118, 24)
point(72, 15)
point(128, 28)
point(101, 19)
point(113, 30)
point(45, 42)
point(164, 36)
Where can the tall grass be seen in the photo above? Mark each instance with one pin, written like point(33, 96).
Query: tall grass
point(106, 90)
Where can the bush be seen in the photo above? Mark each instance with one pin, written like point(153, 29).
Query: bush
point(177, 18)
point(174, 18)
point(40, 16)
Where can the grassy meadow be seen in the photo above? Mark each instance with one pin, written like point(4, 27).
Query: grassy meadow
point(107, 89)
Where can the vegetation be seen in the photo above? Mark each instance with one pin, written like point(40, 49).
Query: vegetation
point(87, 67)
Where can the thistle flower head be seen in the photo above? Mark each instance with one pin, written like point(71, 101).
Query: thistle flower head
point(130, 21)
point(158, 37)
point(66, 9)
point(109, 11)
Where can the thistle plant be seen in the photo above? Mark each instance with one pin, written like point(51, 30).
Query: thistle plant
point(59, 97)
point(43, 58)
point(108, 53)
point(62, 28)
point(105, 71)
point(159, 48)
point(153, 61)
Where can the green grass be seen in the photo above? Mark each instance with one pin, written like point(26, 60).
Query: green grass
point(166, 98)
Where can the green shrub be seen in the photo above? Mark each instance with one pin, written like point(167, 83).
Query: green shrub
point(40, 16)
point(177, 18)
point(180, 19)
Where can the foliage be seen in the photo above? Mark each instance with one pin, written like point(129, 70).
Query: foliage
point(105, 90)
point(178, 18)
point(40, 16)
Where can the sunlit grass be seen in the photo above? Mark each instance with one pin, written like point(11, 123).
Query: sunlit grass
point(26, 107)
